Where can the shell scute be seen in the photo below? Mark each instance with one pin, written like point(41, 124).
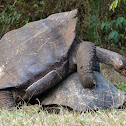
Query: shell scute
point(35, 49)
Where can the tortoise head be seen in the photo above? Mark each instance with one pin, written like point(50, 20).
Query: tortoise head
point(120, 65)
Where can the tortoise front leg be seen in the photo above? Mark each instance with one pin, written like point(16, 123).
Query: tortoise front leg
point(6, 99)
point(48, 81)
point(85, 60)
point(111, 58)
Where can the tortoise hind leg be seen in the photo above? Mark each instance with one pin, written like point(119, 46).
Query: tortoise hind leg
point(6, 99)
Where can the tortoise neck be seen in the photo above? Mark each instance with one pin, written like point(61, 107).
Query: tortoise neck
point(104, 56)
point(73, 49)
point(72, 54)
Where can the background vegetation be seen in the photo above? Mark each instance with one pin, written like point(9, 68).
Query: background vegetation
point(98, 20)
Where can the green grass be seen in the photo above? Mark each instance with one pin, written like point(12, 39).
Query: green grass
point(29, 116)
point(121, 86)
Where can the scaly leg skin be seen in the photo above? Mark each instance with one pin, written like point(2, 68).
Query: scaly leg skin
point(6, 99)
point(70, 92)
point(48, 81)
point(85, 59)
point(111, 58)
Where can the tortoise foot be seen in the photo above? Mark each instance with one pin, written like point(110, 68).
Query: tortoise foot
point(6, 100)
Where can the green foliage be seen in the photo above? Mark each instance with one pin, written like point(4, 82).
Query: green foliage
point(115, 3)
point(113, 31)
point(95, 22)
point(114, 28)
point(114, 35)
point(25, 21)
point(8, 17)
point(93, 31)
point(121, 86)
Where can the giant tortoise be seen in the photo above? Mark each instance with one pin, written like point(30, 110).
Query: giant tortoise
point(39, 55)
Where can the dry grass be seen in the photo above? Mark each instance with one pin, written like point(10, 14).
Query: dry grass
point(29, 116)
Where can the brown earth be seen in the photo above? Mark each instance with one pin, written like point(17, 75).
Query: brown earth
point(112, 75)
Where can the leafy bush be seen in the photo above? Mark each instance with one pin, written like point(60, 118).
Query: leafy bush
point(111, 31)
point(115, 29)
point(95, 22)
point(8, 17)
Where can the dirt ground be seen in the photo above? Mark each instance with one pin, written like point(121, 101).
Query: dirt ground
point(113, 76)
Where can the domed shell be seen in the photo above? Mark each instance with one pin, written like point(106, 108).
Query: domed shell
point(72, 94)
point(32, 51)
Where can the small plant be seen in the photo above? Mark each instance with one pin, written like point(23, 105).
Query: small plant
point(121, 86)
point(115, 29)
point(115, 3)
point(112, 31)
point(93, 31)
point(8, 17)
point(25, 21)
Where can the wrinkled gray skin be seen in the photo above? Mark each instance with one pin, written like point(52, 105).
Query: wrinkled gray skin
point(72, 94)
point(43, 53)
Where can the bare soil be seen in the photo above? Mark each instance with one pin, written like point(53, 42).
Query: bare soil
point(113, 76)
